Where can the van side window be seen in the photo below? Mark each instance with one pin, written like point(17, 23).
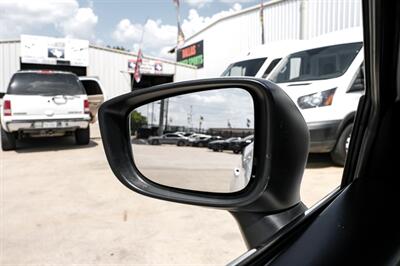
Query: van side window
point(271, 67)
point(358, 84)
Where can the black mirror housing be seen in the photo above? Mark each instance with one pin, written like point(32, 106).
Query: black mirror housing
point(281, 140)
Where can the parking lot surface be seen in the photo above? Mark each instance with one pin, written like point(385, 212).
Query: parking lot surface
point(61, 204)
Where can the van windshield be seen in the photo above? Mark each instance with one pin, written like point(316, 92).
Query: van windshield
point(316, 64)
point(244, 68)
point(48, 84)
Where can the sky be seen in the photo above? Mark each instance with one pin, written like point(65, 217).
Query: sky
point(114, 23)
point(216, 107)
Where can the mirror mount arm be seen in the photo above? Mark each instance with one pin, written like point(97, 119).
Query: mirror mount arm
point(252, 223)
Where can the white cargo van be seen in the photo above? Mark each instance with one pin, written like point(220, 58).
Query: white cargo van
point(326, 81)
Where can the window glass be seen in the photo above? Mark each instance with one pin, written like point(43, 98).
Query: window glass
point(317, 64)
point(45, 84)
point(359, 82)
point(271, 67)
point(245, 68)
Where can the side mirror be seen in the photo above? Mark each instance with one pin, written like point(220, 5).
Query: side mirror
point(279, 156)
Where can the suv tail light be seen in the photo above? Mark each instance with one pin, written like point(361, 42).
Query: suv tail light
point(86, 106)
point(7, 108)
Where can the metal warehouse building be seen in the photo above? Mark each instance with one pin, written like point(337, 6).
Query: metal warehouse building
point(114, 68)
point(213, 48)
point(210, 50)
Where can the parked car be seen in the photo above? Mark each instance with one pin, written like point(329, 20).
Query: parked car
point(169, 138)
point(237, 146)
point(44, 103)
point(220, 145)
point(357, 223)
point(242, 173)
point(203, 141)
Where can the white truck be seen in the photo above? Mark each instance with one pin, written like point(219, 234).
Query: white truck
point(326, 81)
point(323, 76)
point(44, 103)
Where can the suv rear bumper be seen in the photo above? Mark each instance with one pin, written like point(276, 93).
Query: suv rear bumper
point(323, 135)
point(43, 125)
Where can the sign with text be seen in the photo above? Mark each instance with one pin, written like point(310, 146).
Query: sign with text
point(147, 67)
point(191, 55)
point(54, 51)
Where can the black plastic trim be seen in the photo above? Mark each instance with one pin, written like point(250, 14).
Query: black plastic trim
point(280, 150)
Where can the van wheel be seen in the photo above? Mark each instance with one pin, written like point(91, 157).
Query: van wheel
point(339, 153)
point(8, 141)
point(82, 136)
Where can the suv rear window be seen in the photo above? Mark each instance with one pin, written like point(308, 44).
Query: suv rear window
point(316, 64)
point(48, 84)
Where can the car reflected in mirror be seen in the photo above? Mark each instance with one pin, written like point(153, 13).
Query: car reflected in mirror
point(174, 139)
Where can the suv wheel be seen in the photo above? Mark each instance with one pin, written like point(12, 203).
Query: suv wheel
point(82, 136)
point(8, 141)
point(339, 153)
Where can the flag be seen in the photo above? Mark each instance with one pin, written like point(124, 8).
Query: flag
point(262, 21)
point(139, 60)
point(181, 36)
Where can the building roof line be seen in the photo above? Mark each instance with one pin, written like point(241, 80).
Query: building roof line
point(118, 51)
point(135, 55)
point(238, 13)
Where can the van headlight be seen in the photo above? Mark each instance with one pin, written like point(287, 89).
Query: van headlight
point(319, 99)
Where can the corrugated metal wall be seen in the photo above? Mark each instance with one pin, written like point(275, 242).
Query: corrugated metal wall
point(111, 69)
point(110, 66)
point(9, 62)
point(331, 15)
point(234, 36)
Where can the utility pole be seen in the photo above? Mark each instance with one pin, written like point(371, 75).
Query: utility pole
point(161, 121)
point(166, 113)
point(191, 117)
point(152, 113)
point(200, 122)
point(303, 19)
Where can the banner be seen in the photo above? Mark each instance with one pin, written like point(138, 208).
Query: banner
point(138, 63)
point(147, 66)
point(54, 51)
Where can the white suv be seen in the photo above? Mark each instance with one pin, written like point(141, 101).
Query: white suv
point(44, 103)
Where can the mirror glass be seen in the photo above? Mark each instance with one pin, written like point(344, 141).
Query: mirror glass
point(200, 141)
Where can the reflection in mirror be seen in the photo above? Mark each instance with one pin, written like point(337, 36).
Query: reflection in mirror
point(200, 141)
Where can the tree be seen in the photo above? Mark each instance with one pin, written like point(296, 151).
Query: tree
point(137, 121)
